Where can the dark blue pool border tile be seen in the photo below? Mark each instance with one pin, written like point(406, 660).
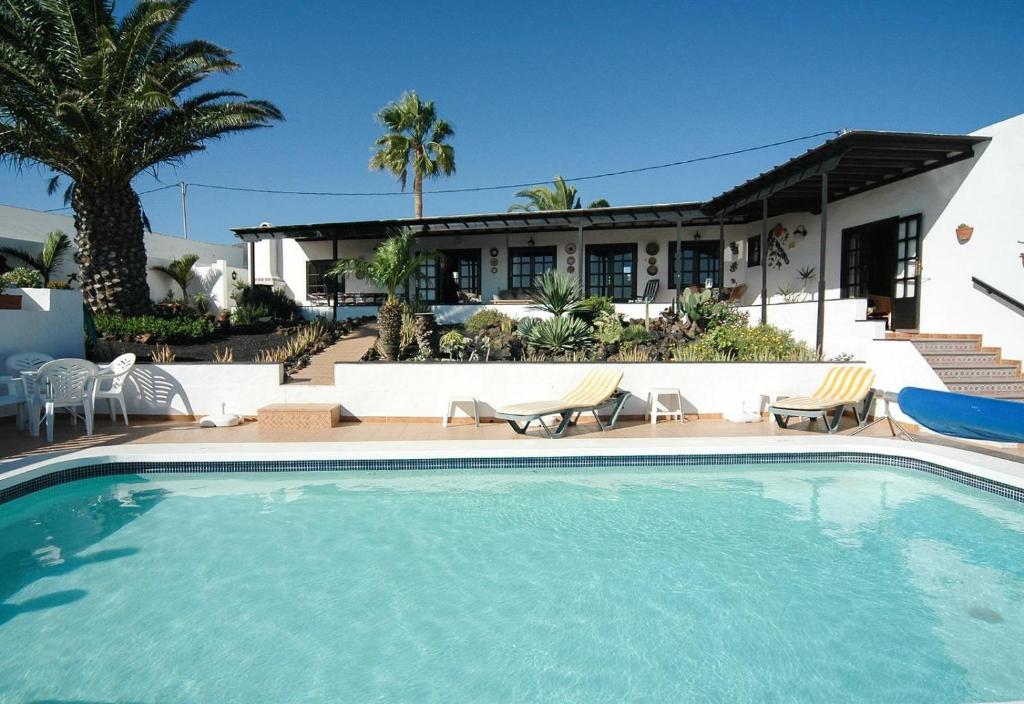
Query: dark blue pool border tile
point(65, 476)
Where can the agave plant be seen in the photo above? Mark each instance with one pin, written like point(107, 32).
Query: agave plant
point(55, 249)
point(692, 304)
point(556, 292)
point(394, 263)
point(563, 334)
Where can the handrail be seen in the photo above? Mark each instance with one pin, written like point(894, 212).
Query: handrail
point(1005, 298)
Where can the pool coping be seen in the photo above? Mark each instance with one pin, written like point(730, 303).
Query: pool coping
point(993, 474)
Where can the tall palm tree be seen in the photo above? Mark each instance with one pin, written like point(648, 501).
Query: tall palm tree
point(180, 271)
point(393, 264)
point(101, 97)
point(416, 138)
point(55, 249)
point(561, 197)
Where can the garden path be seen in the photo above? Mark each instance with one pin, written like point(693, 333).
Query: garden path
point(350, 348)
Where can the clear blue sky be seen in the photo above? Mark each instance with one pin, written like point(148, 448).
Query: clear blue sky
point(539, 88)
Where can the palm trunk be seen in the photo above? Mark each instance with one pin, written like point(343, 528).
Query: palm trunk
point(111, 250)
point(389, 329)
point(417, 194)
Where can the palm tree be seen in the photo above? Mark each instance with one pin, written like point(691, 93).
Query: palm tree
point(100, 97)
point(415, 138)
point(47, 262)
point(180, 272)
point(562, 197)
point(394, 263)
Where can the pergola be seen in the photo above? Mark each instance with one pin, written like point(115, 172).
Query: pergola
point(852, 163)
point(675, 215)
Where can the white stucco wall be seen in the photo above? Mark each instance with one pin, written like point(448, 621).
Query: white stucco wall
point(49, 321)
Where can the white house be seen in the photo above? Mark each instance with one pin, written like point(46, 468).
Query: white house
point(218, 266)
point(839, 244)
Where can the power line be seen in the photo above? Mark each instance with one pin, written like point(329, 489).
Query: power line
point(509, 186)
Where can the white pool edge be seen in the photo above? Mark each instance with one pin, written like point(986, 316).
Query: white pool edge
point(15, 472)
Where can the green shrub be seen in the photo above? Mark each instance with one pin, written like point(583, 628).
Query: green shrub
point(599, 305)
point(635, 335)
point(21, 277)
point(608, 328)
point(274, 300)
point(763, 343)
point(250, 314)
point(717, 313)
point(486, 318)
point(525, 326)
point(563, 334)
point(174, 330)
point(556, 292)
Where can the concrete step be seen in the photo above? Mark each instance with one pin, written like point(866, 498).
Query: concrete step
point(978, 373)
point(961, 359)
point(299, 416)
point(934, 346)
point(998, 388)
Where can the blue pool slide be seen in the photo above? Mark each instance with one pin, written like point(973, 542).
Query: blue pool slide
point(963, 416)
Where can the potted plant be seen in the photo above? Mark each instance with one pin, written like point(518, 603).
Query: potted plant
point(20, 277)
point(964, 233)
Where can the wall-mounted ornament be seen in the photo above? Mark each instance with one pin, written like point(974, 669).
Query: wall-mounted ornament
point(494, 261)
point(652, 260)
point(570, 248)
point(696, 235)
point(800, 232)
point(494, 270)
point(778, 238)
point(734, 247)
point(652, 270)
point(652, 248)
point(733, 266)
point(570, 269)
point(494, 251)
point(964, 233)
point(570, 260)
point(359, 275)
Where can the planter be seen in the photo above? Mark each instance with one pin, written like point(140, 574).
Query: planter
point(964, 233)
point(10, 301)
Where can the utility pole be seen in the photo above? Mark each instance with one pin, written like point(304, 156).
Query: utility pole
point(184, 209)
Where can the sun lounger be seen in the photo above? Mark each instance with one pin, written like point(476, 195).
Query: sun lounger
point(842, 388)
point(598, 391)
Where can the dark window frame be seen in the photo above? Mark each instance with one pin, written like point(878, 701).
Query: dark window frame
point(534, 253)
point(753, 251)
point(317, 278)
point(712, 249)
point(620, 247)
point(431, 292)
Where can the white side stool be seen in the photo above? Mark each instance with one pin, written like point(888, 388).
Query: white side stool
point(656, 408)
point(453, 403)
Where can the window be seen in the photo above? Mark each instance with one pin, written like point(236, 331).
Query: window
point(527, 263)
point(611, 271)
point(426, 281)
point(318, 285)
point(701, 261)
point(453, 279)
point(754, 250)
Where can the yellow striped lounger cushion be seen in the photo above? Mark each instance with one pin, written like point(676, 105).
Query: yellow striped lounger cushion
point(597, 386)
point(842, 386)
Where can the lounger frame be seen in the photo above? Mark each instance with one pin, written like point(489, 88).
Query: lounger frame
point(569, 416)
point(860, 412)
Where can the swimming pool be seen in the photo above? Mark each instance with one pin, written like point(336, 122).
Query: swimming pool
point(787, 580)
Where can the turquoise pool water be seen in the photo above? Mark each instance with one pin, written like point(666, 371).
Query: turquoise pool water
point(800, 583)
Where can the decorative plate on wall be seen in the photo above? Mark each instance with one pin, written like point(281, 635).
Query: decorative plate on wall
point(570, 269)
point(652, 260)
point(652, 270)
point(494, 270)
point(494, 261)
point(570, 260)
point(570, 248)
point(652, 248)
point(494, 251)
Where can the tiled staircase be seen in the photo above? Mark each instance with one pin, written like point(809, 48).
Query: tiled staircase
point(966, 367)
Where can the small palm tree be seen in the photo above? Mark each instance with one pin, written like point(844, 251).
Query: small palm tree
point(180, 271)
point(100, 96)
point(561, 197)
point(394, 263)
point(416, 138)
point(47, 262)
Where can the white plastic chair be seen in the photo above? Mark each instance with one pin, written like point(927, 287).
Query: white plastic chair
point(12, 393)
point(26, 362)
point(67, 384)
point(115, 375)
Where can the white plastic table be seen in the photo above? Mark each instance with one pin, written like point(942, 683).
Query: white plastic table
point(655, 407)
point(453, 403)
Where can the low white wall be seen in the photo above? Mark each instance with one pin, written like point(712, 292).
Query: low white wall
point(199, 389)
point(49, 321)
point(846, 329)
